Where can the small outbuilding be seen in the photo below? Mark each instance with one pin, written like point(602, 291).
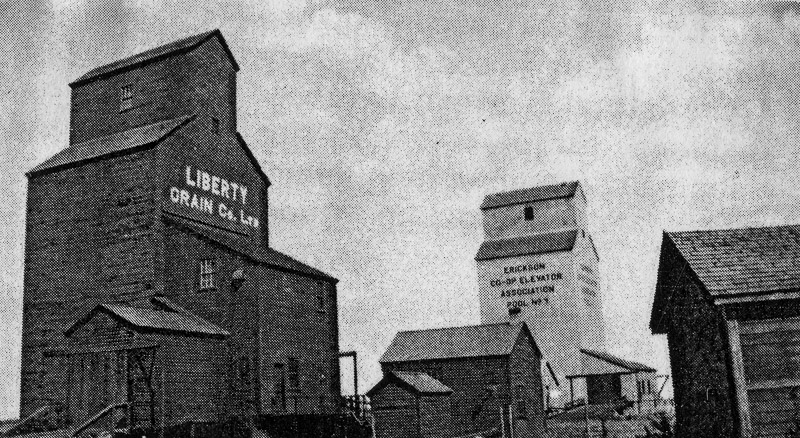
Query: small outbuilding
point(152, 365)
point(409, 404)
point(729, 303)
point(613, 380)
point(494, 371)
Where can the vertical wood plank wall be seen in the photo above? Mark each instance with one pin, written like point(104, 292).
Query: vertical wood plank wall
point(740, 384)
point(770, 356)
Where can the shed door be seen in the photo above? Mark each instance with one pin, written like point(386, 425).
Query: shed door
point(771, 360)
point(96, 380)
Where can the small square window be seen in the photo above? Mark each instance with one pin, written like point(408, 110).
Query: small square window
point(529, 213)
point(126, 97)
point(207, 270)
point(215, 125)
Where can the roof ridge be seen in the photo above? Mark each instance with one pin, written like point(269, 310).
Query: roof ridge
point(539, 234)
point(182, 119)
point(745, 228)
point(614, 359)
point(251, 253)
point(564, 189)
point(106, 145)
point(454, 327)
point(154, 54)
point(522, 189)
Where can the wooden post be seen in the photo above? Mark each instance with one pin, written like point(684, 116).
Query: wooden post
point(354, 355)
point(571, 393)
point(740, 383)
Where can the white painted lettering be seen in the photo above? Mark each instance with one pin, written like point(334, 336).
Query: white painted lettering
point(223, 189)
point(235, 189)
point(174, 195)
point(189, 181)
point(243, 190)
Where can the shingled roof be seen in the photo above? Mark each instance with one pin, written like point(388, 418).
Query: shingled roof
point(418, 383)
point(153, 55)
point(594, 363)
point(526, 245)
point(119, 142)
point(733, 263)
point(168, 318)
point(456, 342)
point(533, 194)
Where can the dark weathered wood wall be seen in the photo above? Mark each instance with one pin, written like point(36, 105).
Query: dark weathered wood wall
point(771, 356)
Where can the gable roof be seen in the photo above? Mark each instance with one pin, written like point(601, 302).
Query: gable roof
point(753, 263)
point(527, 245)
point(743, 261)
point(456, 342)
point(168, 318)
point(594, 363)
point(418, 383)
point(259, 254)
point(119, 142)
point(153, 55)
point(533, 194)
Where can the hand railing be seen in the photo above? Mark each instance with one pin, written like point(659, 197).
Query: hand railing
point(86, 424)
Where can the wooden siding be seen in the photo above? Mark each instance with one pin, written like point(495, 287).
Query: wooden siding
point(480, 388)
point(771, 358)
point(483, 386)
point(526, 372)
point(94, 235)
point(90, 238)
point(167, 379)
point(698, 351)
point(395, 411)
point(273, 316)
point(201, 81)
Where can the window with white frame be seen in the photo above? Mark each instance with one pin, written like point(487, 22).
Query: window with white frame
point(126, 97)
point(207, 270)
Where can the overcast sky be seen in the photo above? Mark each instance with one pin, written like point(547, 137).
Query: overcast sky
point(382, 128)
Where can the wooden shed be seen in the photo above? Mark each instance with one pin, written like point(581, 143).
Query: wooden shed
point(493, 369)
point(410, 404)
point(729, 303)
point(610, 380)
point(159, 364)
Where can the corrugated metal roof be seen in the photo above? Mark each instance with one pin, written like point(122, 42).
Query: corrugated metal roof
point(259, 254)
point(533, 194)
point(154, 54)
point(453, 342)
point(110, 144)
point(167, 320)
point(422, 383)
point(742, 261)
point(526, 245)
point(594, 363)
